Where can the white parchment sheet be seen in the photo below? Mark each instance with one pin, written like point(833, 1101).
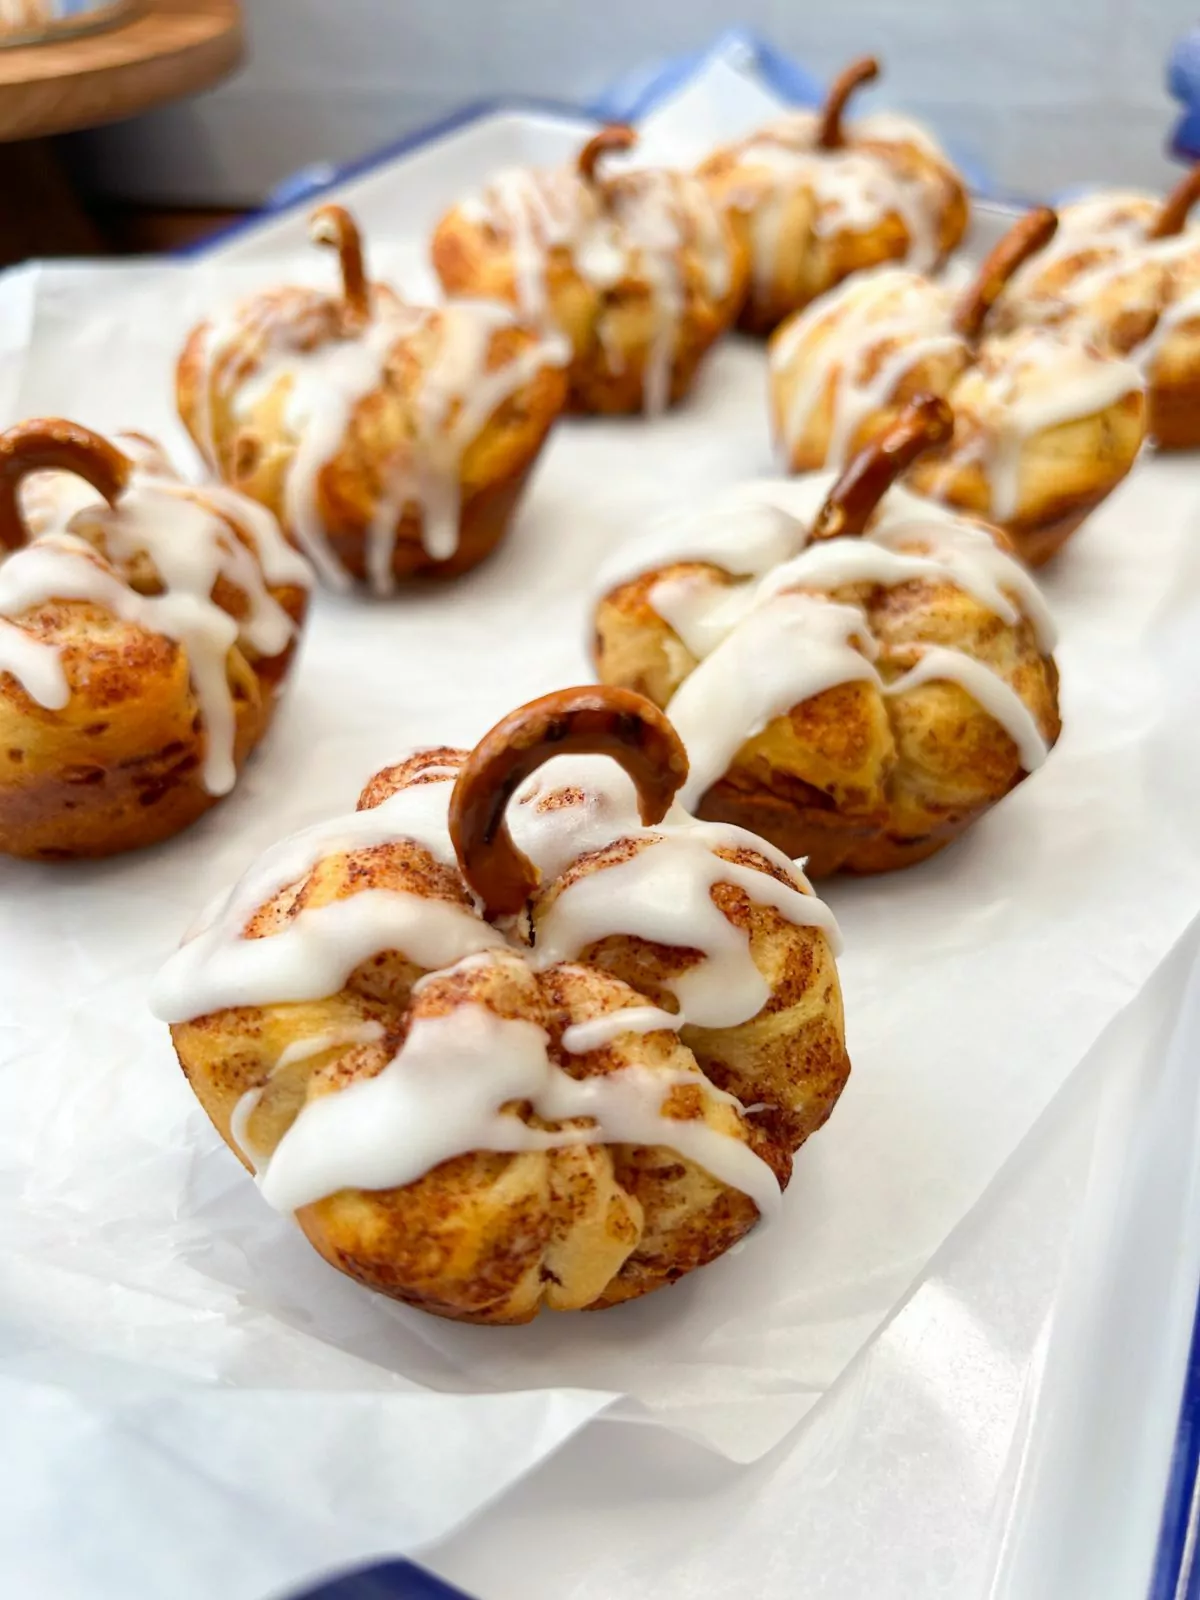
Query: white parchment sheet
point(174, 1356)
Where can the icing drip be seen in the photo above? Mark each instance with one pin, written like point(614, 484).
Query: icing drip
point(35, 665)
point(664, 896)
point(218, 967)
point(298, 1050)
point(443, 1094)
point(191, 547)
point(1024, 384)
point(835, 342)
point(998, 699)
point(457, 397)
point(327, 377)
point(793, 648)
point(760, 531)
point(771, 641)
point(581, 1037)
point(1019, 384)
point(1096, 232)
point(636, 228)
point(854, 190)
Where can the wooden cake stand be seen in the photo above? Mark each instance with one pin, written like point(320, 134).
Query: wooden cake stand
point(168, 49)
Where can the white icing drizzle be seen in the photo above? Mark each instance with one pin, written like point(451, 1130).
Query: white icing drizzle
point(833, 343)
point(636, 228)
point(793, 648)
point(1114, 267)
point(1174, 315)
point(594, 1034)
point(328, 374)
point(442, 1095)
point(773, 640)
point(909, 537)
point(661, 893)
point(1018, 385)
point(1024, 384)
point(1105, 226)
point(36, 665)
point(457, 397)
point(218, 967)
point(854, 189)
point(184, 533)
point(999, 699)
point(298, 1050)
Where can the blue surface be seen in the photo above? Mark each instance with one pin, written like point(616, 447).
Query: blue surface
point(1183, 81)
point(1171, 1581)
point(388, 1580)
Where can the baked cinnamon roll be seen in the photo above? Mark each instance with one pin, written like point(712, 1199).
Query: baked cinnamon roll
point(815, 200)
point(1123, 273)
point(392, 441)
point(639, 269)
point(1045, 424)
point(515, 1036)
point(146, 629)
point(857, 674)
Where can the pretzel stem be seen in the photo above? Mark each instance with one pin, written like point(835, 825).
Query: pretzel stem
point(830, 134)
point(592, 720)
point(617, 136)
point(52, 444)
point(334, 226)
point(1030, 234)
point(1176, 206)
point(925, 422)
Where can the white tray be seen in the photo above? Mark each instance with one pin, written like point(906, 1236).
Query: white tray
point(1008, 1434)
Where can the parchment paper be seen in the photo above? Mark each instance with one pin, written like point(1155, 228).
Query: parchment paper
point(175, 1347)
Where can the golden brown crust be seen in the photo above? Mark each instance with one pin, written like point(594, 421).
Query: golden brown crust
point(616, 327)
point(806, 448)
point(254, 450)
point(1063, 474)
point(851, 779)
point(121, 765)
point(490, 1237)
point(811, 250)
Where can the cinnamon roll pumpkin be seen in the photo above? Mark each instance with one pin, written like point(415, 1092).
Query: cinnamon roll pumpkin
point(391, 440)
point(146, 629)
point(512, 1036)
point(857, 674)
point(1123, 272)
point(815, 201)
point(638, 268)
point(1045, 424)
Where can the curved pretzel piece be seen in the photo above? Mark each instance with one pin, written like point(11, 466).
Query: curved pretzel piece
point(334, 226)
point(924, 423)
point(617, 136)
point(592, 720)
point(830, 134)
point(1175, 207)
point(51, 444)
point(1033, 232)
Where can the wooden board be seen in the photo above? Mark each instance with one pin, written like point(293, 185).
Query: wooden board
point(172, 48)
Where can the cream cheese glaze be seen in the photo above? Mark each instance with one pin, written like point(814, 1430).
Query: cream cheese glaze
point(443, 1092)
point(856, 345)
point(775, 638)
point(634, 228)
point(84, 549)
point(326, 371)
